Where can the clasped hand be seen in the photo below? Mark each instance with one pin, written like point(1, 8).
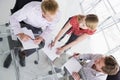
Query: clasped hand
point(59, 50)
point(25, 38)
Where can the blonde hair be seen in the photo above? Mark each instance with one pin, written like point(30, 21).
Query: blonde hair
point(50, 6)
point(80, 18)
point(91, 21)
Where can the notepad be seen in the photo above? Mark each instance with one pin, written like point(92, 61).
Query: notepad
point(30, 43)
point(72, 65)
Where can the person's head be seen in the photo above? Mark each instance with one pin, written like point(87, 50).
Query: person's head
point(107, 64)
point(49, 9)
point(89, 21)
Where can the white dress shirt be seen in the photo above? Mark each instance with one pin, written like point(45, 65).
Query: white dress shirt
point(88, 72)
point(31, 14)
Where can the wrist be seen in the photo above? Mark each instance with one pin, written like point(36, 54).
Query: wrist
point(20, 34)
point(41, 38)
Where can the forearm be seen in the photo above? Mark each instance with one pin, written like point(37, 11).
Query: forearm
point(60, 34)
point(62, 31)
point(79, 39)
point(73, 43)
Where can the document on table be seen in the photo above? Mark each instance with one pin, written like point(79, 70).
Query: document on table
point(30, 43)
point(72, 65)
point(50, 52)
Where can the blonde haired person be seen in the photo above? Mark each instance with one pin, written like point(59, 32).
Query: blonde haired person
point(40, 17)
point(80, 27)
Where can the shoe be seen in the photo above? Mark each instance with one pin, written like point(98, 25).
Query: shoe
point(1, 39)
point(22, 59)
point(7, 61)
point(57, 70)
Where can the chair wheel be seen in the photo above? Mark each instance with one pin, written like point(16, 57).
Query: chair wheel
point(36, 62)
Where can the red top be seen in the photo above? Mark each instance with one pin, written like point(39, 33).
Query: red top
point(76, 29)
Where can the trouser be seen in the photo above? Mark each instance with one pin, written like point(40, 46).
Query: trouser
point(37, 31)
point(13, 44)
point(72, 38)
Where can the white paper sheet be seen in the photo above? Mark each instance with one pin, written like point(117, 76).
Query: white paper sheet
point(72, 65)
point(28, 32)
point(30, 43)
point(50, 52)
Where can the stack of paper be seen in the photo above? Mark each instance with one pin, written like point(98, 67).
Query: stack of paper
point(72, 65)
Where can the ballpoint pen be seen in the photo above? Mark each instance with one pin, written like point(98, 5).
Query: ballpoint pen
point(74, 55)
point(51, 44)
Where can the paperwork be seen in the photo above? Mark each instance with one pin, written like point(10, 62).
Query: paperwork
point(30, 43)
point(72, 65)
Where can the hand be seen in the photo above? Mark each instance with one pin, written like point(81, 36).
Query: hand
point(23, 36)
point(60, 50)
point(76, 55)
point(38, 40)
point(76, 76)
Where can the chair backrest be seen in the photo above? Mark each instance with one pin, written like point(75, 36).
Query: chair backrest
point(20, 3)
point(114, 77)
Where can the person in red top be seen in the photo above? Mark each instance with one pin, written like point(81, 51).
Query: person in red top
point(80, 27)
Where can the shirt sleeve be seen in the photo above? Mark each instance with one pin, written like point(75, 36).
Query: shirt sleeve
point(89, 56)
point(73, 20)
point(100, 77)
point(19, 16)
point(51, 28)
point(89, 74)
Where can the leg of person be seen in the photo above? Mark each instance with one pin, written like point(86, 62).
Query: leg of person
point(72, 38)
point(7, 61)
point(1, 38)
point(24, 53)
point(30, 51)
point(12, 45)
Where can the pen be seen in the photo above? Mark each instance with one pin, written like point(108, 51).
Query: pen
point(51, 44)
point(74, 55)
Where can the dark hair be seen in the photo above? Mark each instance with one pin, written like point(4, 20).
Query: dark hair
point(111, 66)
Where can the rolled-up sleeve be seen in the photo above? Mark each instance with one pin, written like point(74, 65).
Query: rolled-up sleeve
point(89, 56)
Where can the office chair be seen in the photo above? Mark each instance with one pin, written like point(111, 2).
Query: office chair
point(20, 3)
point(12, 43)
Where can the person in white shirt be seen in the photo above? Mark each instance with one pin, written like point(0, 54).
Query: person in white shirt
point(37, 16)
point(97, 68)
